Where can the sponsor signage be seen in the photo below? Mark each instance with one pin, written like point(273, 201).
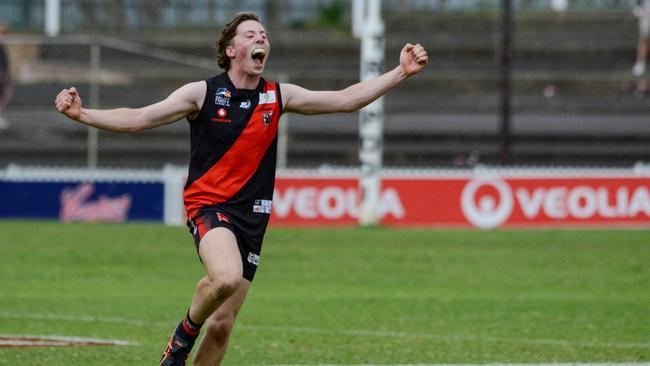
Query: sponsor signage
point(469, 202)
point(82, 201)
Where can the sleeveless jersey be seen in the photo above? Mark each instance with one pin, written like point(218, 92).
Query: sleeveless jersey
point(233, 153)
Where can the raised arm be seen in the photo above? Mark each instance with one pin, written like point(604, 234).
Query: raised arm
point(185, 101)
point(413, 58)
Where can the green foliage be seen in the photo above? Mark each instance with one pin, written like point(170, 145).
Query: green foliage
point(331, 15)
point(336, 296)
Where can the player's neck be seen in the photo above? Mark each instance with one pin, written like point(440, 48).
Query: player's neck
point(242, 80)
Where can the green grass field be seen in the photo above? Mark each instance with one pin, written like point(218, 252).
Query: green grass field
point(336, 296)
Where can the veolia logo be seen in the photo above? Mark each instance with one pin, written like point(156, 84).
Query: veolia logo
point(483, 210)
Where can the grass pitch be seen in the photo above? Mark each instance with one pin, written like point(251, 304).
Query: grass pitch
point(336, 296)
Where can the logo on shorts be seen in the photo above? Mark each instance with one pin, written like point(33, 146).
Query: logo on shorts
point(253, 258)
point(222, 217)
point(262, 206)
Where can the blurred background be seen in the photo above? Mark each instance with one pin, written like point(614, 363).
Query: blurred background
point(575, 101)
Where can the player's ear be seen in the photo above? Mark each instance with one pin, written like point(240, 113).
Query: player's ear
point(230, 51)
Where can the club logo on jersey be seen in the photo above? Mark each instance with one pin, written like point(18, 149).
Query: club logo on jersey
point(267, 98)
point(262, 206)
point(222, 97)
point(253, 258)
point(266, 118)
point(245, 104)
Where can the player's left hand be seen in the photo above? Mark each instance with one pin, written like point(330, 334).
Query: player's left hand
point(413, 59)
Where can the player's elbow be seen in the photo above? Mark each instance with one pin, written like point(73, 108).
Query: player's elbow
point(349, 107)
point(345, 105)
point(348, 102)
point(132, 130)
point(138, 124)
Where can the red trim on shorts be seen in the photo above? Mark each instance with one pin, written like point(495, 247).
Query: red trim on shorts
point(201, 225)
point(222, 217)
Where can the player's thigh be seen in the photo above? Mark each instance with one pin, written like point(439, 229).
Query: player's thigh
point(220, 254)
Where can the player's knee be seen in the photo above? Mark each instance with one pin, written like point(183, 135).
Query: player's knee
point(220, 328)
point(228, 284)
point(224, 286)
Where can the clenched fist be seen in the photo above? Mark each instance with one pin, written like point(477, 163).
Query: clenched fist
point(413, 58)
point(68, 102)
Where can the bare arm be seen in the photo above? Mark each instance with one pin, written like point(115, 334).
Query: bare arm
point(184, 101)
point(413, 58)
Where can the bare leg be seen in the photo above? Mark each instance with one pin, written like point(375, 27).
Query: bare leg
point(220, 255)
point(219, 325)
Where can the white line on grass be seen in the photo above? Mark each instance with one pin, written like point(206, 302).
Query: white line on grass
point(489, 364)
point(348, 332)
point(390, 334)
point(57, 340)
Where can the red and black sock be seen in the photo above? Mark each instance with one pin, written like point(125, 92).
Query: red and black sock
point(189, 327)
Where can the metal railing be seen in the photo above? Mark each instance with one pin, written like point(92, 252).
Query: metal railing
point(95, 45)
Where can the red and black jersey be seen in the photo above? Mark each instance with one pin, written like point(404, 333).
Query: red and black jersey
point(233, 152)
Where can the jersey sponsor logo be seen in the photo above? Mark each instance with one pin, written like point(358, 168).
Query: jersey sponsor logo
point(253, 258)
point(262, 206)
point(221, 116)
point(266, 118)
point(268, 97)
point(222, 97)
point(245, 104)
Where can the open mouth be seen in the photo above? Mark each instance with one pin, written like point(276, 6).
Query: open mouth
point(258, 56)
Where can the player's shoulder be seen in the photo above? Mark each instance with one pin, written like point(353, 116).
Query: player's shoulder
point(193, 90)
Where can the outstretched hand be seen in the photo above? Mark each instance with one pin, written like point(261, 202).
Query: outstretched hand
point(413, 58)
point(68, 102)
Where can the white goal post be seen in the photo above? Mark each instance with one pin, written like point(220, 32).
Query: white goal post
point(368, 25)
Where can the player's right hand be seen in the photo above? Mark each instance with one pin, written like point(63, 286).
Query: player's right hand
point(68, 102)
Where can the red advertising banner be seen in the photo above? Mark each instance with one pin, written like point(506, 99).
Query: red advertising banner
point(469, 202)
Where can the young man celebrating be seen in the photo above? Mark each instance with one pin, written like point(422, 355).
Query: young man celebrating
point(233, 120)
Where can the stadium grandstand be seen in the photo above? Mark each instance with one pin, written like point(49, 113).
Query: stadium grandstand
point(574, 101)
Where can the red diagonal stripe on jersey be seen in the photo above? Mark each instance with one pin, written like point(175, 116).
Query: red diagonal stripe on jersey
point(238, 164)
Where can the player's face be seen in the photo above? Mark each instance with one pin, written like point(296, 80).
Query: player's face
point(251, 47)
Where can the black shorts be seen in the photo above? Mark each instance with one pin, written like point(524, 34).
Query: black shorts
point(250, 247)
